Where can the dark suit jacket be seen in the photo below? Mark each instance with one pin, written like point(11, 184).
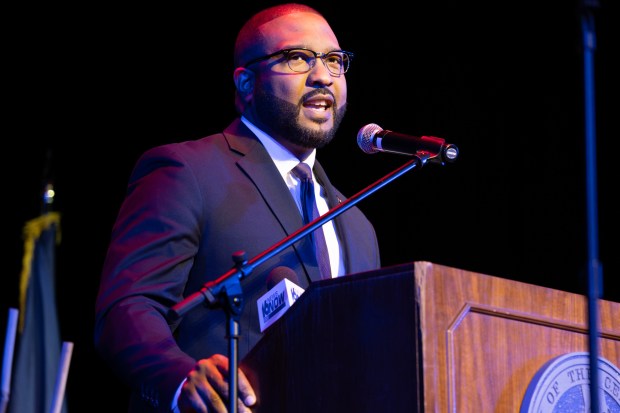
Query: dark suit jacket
point(189, 207)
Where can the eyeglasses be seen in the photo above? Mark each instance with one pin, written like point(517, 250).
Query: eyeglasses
point(302, 60)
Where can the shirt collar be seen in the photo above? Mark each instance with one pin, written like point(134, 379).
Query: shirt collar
point(282, 157)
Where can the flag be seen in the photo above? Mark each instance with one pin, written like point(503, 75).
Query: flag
point(39, 345)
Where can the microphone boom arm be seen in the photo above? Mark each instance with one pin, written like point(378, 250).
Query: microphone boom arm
point(243, 268)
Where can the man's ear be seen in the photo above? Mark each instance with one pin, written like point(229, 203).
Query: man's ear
point(244, 82)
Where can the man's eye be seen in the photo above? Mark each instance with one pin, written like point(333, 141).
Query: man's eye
point(296, 56)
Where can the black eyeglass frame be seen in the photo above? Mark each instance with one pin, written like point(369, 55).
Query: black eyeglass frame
point(317, 55)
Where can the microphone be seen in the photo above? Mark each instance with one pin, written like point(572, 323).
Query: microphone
point(372, 139)
point(282, 294)
point(280, 273)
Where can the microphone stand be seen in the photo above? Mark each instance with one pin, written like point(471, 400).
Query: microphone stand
point(595, 270)
point(226, 290)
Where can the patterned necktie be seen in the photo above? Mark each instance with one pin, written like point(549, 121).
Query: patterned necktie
point(310, 212)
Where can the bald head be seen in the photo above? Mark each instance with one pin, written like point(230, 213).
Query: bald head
point(251, 40)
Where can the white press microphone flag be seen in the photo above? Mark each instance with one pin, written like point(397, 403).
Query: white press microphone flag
point(277, 301)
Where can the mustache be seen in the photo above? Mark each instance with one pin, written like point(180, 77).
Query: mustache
point(316, 92)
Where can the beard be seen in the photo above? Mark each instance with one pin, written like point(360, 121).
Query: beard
point(281, 116)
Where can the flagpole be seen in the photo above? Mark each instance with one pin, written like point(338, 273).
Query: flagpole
point(61, 380)
point(7, 359)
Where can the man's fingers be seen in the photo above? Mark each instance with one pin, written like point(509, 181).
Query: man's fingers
point(207, 384)
point(207, 389)
point(191, 400)
point(246, 392)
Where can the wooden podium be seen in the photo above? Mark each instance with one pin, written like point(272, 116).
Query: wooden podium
point(419, 337)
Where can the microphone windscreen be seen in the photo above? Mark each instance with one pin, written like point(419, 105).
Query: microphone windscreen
point(365, 137)
point(278, 274)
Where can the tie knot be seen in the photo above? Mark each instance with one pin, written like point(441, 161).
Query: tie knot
point(303, 171)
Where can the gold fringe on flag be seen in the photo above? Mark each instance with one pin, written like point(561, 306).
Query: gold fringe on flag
point(31, 232)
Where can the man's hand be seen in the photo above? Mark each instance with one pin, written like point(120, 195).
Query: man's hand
point(206, 388)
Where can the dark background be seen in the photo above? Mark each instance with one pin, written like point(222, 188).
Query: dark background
point(92, 88)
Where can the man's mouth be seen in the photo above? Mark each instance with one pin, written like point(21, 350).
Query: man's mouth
point(318, 103)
